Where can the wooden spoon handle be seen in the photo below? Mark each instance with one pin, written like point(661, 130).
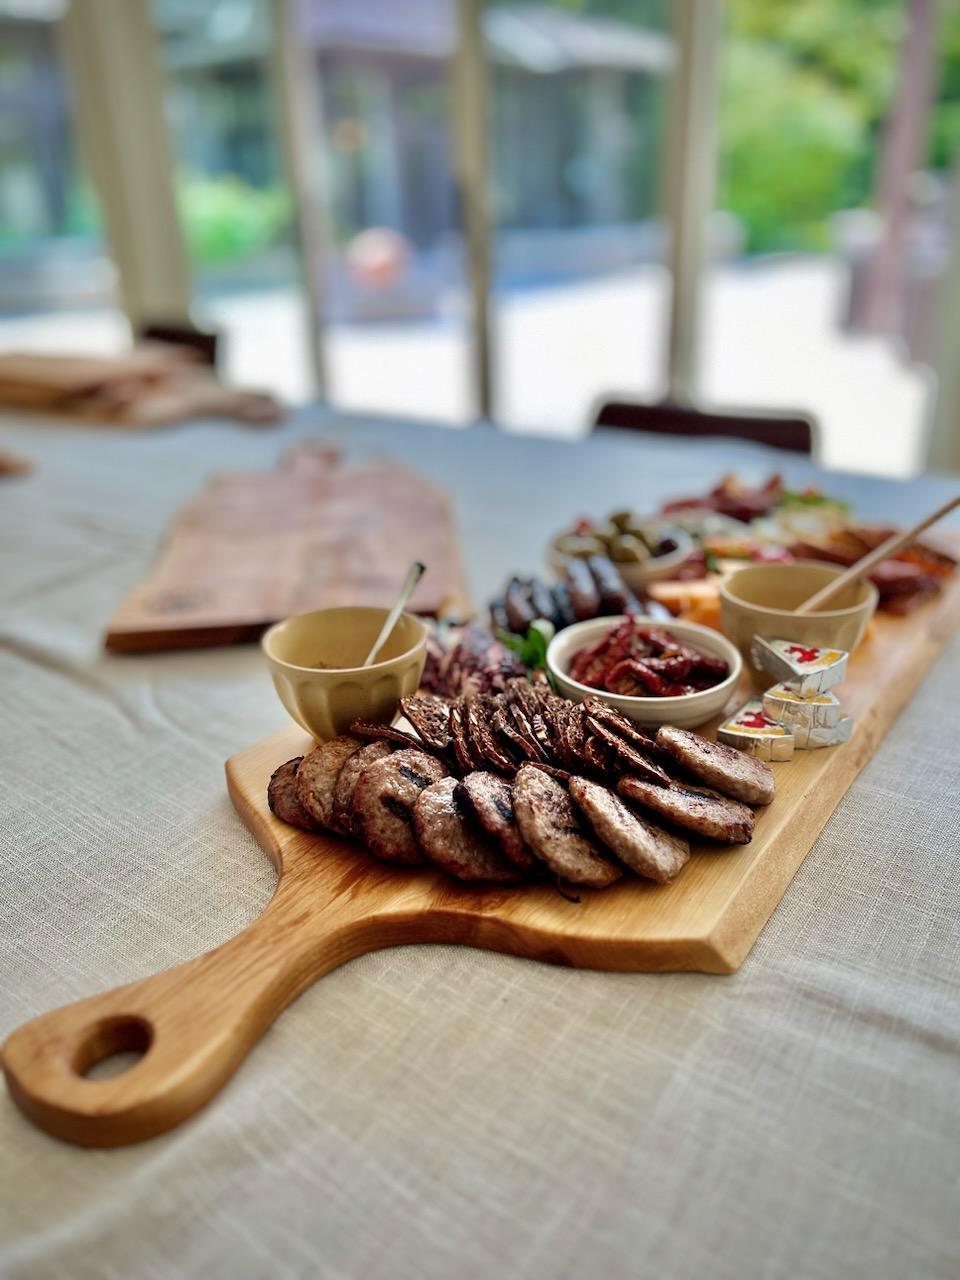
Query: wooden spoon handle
point(194, 1025)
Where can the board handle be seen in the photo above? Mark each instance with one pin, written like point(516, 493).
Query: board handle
point(193, 1024)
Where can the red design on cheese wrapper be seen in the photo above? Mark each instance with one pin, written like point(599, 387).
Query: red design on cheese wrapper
point(803, 653)
point(754, 720)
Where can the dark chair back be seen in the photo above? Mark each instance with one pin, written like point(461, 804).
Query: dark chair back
point(792, 431)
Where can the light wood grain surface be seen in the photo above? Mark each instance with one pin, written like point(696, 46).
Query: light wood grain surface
point(198, 1021)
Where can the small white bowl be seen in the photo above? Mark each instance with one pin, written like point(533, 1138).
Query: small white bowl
point(688, 710)
point(636, 574)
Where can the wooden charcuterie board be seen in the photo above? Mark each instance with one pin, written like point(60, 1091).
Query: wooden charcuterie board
point(255, 547)
point(333, 901)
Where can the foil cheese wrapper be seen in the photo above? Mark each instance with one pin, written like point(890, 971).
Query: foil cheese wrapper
point(813, 738)
point(807, 711)
point(756, 734)
point(807, 668)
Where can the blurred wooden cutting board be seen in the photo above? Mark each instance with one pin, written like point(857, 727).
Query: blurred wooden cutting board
point(255, 547)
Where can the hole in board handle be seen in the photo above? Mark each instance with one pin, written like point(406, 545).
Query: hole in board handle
point(112, 1046)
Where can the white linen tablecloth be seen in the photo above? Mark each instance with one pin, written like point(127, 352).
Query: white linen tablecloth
point(434, 1111)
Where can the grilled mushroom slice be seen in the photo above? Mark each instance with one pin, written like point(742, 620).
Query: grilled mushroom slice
point(283, 799)
point(705, 812)
point(643, 847)
point(720, 766)
point(452, 843)
point(383, 801)
point(548, 823)
point(490, 800)
point(318, 773)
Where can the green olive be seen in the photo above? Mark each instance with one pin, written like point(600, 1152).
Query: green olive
point(628, 550)
point(621, 520)
point(580, 545)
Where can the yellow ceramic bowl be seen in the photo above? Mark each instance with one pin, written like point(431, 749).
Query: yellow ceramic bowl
point(314, 661)
point(762, 599)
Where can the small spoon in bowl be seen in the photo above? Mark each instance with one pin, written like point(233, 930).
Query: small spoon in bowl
point(417, 571)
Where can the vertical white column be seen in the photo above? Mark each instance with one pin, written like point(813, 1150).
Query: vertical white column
point(471, 168)
point(303, 139)
point(117, 92)
point(944, 445)
point(689, 178)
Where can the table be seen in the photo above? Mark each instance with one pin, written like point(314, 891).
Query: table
point(433, 1111)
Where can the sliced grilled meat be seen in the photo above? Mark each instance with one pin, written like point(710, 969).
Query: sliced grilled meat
point(705, 812)
point(643, 847)
point(383, 803)
point(385, 733)
point(318, 773)
point(549, 825)
point(614, 596)
point(452, 843)
point(430, 717)
point(597, 755)
point(483, 741)
point(541, 599)
point(563, 615)
point(343, 814)
point(490, 800)
point(720, 766)
point(600, 712)
point(520, 612)
point(283, 799)
point(628, 755)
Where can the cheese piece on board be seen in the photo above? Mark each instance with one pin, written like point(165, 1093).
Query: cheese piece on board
point(807, 667)
point(756, 734)
point(807, 711)
point(811, 739)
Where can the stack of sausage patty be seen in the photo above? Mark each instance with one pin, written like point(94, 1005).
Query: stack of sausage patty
point(501, 788)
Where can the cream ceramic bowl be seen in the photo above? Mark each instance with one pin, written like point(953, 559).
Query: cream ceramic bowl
point(687, 711)
point(314, 661)
point(761, 600)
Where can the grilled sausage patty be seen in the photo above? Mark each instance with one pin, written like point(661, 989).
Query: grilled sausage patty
point(451, 842)
point(318, 773)
point(490, 800)
point(383, 803)
point(343, 815)
point(705, 812)
point(644, 848)
point(283, 799)
point(720, 766)
point(548, 823)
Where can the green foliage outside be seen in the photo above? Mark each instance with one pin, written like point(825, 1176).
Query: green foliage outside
point(226, 219)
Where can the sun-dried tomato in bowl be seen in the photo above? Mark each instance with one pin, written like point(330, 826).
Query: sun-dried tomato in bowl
point(646, 662)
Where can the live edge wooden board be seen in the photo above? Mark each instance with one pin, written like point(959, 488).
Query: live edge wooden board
point(198, 1021)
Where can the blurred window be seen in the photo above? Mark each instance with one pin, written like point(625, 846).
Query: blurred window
point(56, 280)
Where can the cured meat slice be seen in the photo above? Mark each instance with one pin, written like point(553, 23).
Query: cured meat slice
point(452, 843)
point(430, 717)
point(385, 733)
point(318, 773)
point(490, 800)
point(705, 812)
point(720, 766)
point(383, 803)
point(283, 799)
point(343, 816)
point(483, 740)
point(643, 847)
point(628, 755)
point(549, 825)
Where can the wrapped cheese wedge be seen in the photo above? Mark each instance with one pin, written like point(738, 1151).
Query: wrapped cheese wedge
point(806, 668)
point(818, 736)
point(756, 734)
point(811, 711)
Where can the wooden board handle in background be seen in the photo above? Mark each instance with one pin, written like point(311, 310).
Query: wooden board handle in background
point(194, 1024)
